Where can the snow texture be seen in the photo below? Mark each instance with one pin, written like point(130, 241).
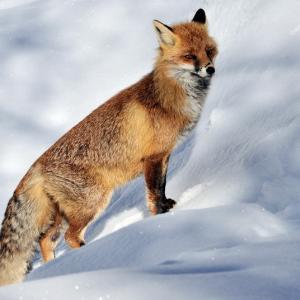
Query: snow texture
point(235, 231)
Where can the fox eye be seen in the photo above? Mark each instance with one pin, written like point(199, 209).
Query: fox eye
point(190, 56)
point(210, 52)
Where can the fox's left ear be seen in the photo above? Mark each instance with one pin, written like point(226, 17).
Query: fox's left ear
point(165, 33)
point(200, 16)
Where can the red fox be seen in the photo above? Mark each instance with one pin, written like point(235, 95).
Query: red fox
point(132, 133)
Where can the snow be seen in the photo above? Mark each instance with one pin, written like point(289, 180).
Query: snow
point(235, 231)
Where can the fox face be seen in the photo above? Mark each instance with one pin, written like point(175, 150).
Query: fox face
point(186, 50)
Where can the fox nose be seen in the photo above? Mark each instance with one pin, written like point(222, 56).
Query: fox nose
point(210, 70)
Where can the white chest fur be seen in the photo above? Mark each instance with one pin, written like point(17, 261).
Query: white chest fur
point(196, 91)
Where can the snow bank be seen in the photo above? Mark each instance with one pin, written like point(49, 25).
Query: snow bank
point(183, 254)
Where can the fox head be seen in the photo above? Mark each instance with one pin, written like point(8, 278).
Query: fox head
point(186, 50)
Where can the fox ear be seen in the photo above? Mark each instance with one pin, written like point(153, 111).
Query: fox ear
point(200, 16)
point(165, 33)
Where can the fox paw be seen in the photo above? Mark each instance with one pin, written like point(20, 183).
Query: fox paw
point(165, 205)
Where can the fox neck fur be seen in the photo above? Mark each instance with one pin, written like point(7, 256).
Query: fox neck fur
point(181, 93)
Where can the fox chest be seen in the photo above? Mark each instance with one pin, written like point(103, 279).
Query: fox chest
point(192, 111)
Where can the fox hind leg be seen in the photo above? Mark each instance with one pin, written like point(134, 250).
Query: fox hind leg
point(74, 236)
point(79, 219)
point(49, 239)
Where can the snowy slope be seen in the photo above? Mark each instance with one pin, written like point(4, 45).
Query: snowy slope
point(235, 231)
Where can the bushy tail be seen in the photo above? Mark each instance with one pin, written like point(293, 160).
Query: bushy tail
point(19, 234)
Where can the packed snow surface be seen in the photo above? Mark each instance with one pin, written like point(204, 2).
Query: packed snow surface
point(235, 231)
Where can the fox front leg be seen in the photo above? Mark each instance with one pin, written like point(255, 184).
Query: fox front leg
point(155, 170)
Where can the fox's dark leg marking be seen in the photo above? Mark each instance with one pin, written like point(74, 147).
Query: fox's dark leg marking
point(155, 177)
point(29, 267)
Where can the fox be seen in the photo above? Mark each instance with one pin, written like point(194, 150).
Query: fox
point(131, 134)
